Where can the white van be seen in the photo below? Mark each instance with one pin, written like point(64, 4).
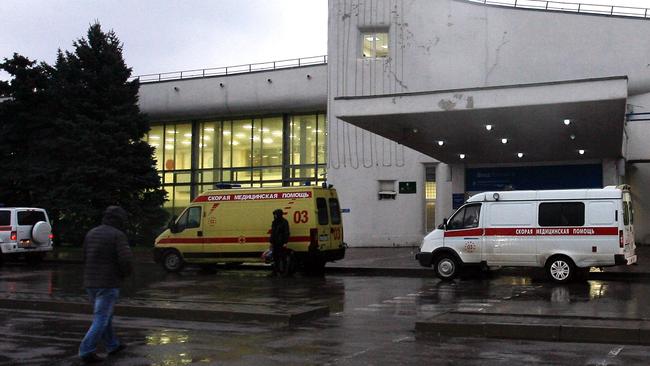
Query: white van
point(25, 231)
point(560, 230)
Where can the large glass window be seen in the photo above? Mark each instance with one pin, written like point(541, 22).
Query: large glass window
point(375, 44)
point(249, 152)
point(562, 214)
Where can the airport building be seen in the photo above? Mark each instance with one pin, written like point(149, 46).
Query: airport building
point(418, 105)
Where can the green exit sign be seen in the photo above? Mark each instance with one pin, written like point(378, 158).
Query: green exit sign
point(406, 187)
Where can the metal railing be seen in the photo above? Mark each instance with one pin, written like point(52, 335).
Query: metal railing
point(611, 10)
point(230, 70)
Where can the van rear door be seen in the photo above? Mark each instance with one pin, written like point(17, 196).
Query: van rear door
point(25, 221)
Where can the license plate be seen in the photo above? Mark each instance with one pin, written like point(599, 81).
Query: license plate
point(25, 243)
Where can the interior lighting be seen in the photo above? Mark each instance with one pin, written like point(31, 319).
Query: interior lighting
point(187, 135)
point(572, 137)
point(276, 133)
point(154, 144)
point(248, 126)
point(206, 138)
point(226, 132)
point(462, 156)
point(154, 137)
point(171, 132)
point(169, 147)
point(488, 127)
point(520, 155)
point(504, 141)
point(567, 122)
point(581, 152)
point(440, 142)
point(169, 139)
point(267, 141)
point(185, 142)
point(370, 38)
point(240, 135)
point(209, 129)
point(235, 143)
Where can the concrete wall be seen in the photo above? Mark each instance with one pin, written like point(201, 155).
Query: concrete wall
point(301, 89)
point(453, 44)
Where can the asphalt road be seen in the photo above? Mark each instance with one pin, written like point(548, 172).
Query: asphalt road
point(371, 321)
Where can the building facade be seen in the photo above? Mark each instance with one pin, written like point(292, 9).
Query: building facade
point(421, 104)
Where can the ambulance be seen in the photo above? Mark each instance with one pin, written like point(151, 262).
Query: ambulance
point(563, 231)
point(233, 226)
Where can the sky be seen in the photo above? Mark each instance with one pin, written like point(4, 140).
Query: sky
point(174, 35)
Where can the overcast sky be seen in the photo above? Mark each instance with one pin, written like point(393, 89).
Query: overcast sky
point(173, 35)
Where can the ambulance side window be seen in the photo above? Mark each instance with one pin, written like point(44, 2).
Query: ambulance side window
point(321, 206)
point(191, 218)
point(626, 213)
point(562, 214)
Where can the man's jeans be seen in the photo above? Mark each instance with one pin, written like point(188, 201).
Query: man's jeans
point(104, 300)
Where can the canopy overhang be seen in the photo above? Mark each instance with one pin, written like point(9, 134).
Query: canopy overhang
point(532, 117)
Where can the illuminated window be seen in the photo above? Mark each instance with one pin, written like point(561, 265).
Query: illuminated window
point(375, 44)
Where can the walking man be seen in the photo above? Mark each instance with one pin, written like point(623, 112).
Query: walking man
point(279, 239)
point(108, 260)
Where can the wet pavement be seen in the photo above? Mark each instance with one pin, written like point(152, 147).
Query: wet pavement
point(371, 320)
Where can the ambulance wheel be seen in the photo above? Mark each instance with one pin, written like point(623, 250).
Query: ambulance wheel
point(560, 268)
point(446, 267)
point(172, 261)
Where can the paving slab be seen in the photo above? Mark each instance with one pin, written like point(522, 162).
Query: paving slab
point(206, 311)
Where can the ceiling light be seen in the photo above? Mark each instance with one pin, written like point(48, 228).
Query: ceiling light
point(226, 132)
point(154, 137)
point(572, 137)
point(384, 46)
point(267, 141)
point(187, 135)
point(209, 129)
point(462, 156)
point(567, 122)
point(581, 152)
point(504, 141)
point(240, 135)
point(235, 143)
point(206, 138)
point(371, 38)
point(520, 155)
point(186, 143)
point(169, 139)
point(440, 142)
point(169, 147)
point(171, 132)
point(488, 127)
point(153, 144)
point(276, 133)
point(247, 126)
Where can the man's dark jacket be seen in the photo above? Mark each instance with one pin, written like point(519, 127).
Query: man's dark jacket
point(108, 258)
point(279, 232)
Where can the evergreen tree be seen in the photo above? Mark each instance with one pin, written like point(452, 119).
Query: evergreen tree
point(94, 155)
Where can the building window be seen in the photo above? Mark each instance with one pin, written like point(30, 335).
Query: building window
point(375, 44)
point(249, 152)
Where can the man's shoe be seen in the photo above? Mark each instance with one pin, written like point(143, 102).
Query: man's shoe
point(119, 349)
point(91, 358)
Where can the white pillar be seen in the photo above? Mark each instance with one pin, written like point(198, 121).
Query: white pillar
point(443, 192)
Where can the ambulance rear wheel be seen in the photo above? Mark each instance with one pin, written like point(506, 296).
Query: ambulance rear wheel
point(172, 261)
point(446, 267)
point(560, 269)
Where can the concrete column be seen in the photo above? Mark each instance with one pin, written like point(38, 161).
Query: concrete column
point(443, 192)
point(458, 178)
point(610, 173)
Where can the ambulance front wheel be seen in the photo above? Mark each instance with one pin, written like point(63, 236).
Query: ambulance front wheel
point(172, 261)
point(560, 268)
point(446, 267)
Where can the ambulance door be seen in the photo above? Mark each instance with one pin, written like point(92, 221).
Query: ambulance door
point(189, 233)
point(510, 234)
point(324, 234)
point(464, 234)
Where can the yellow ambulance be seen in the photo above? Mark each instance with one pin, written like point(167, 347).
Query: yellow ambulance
point(234, 225)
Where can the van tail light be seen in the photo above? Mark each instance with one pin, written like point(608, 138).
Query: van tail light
point(51, 236)
point(620, 239)
point(313, 239)
point(14, 236)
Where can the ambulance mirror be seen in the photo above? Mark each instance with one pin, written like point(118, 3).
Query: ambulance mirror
point(172, 225)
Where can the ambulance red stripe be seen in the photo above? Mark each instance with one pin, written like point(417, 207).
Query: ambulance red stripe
point(537, 231)
point(5, 228)
point(252, 196)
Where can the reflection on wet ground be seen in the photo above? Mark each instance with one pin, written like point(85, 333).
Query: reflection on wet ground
point(371, 318)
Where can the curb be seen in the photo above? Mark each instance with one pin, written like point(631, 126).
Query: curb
point(536, 328)
point(200, 315)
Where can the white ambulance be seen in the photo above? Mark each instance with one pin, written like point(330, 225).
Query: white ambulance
point(563, 231)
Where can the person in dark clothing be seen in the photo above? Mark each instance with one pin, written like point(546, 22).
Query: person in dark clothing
point(108, 260)
point(279, 239)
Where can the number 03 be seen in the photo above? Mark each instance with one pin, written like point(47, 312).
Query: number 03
point(300, 217)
